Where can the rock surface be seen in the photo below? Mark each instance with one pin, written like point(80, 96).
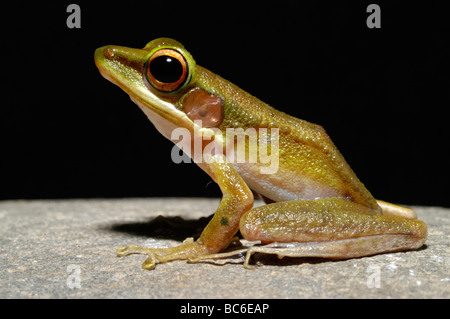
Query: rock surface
point(66, 249)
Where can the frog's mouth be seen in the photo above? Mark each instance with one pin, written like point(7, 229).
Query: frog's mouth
point(123, 66)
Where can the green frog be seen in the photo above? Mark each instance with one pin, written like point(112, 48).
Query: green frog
point(315, 204)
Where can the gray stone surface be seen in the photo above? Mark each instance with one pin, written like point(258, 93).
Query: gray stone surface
point(45, 245)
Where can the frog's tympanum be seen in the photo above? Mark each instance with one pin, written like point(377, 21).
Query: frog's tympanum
point(315, 204)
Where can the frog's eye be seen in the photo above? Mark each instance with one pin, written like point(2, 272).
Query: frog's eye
point(166, 70)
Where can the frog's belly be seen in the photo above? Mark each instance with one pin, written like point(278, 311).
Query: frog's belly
point(284, 186)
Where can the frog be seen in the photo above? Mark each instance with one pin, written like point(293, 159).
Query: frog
point(314, 204)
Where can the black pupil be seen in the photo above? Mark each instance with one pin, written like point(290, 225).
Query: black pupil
point(166, 69)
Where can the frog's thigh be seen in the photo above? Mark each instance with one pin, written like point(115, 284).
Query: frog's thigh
point(331, 227)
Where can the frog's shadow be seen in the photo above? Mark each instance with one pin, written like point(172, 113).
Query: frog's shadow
point(164, 227)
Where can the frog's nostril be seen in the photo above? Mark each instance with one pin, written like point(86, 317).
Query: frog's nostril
point(109, 53)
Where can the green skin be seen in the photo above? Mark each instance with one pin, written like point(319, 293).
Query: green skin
point(323, 208)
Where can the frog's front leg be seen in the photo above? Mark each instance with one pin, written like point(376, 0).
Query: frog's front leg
point(329, 227)
point(217, 235)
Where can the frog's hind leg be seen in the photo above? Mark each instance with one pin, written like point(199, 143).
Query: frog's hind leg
point(330, 228)
point(336, 249)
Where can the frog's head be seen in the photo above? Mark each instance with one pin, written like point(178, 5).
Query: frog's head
point(161, 79)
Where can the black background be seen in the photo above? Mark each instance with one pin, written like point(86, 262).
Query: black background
point(381, 94)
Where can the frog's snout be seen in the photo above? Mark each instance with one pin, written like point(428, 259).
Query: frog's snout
point(104, 53)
